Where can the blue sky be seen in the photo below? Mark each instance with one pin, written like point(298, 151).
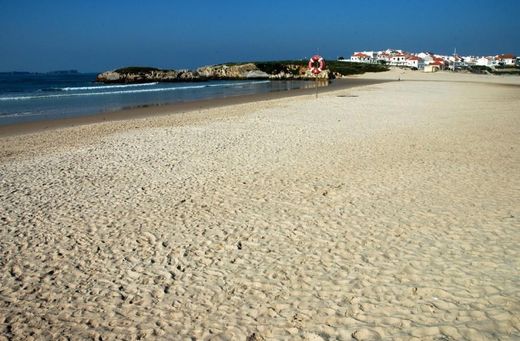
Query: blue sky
point(98, 35)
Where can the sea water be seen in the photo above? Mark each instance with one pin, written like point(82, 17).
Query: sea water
point(28, 97)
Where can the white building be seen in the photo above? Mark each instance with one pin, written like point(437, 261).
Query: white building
point(431, 68)
point(371, 54)
point(398, 59)
point(360, 57)
point(484, 61)
point(393, 51)
point(505, 60)
point(426, 56)
point(415, 62)
point(394, 57)
point(470, 60)
point(383, 57)
point(455, 62)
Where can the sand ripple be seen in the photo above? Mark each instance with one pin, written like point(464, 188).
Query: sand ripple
point(391, 215)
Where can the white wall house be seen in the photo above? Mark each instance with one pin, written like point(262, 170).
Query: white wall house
point(455, 62)
point(394, 57)
point(426, 56)
point(383, 57)
point(431, 68)
point(398, 59)
point(505, 60)
point(371, 54)
point(414, 61)
point(360, 57)
point(393, 51)
point(484, 61)
point(470, 60)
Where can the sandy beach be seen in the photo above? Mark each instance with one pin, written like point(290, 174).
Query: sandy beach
point(384, 212)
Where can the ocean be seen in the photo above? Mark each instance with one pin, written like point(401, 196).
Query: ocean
point(34, 97)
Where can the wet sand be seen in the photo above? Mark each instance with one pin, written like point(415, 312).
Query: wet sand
point(178, 108)
point(388, 211)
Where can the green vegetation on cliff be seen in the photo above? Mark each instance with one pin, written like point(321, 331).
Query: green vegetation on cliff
point(286, 66)
point(274, 67)
point(136, 69)
point(283, 69)
point(342, 68)
point(349, 68)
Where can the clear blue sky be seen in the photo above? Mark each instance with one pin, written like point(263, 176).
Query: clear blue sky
point(97, 35)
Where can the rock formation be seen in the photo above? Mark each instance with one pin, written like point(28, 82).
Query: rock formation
point(238, 71)
point(289, 69)
point(137, 75)
point(270, 70)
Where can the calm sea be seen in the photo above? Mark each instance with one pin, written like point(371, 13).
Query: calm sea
point(33, 97)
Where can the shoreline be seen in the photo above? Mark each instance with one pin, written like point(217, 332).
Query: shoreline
point(146, 111)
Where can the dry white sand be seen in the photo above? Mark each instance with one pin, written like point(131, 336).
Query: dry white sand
point(440, 76)
point(383, 212)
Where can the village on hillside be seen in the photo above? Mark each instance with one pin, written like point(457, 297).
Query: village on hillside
point(431, 62)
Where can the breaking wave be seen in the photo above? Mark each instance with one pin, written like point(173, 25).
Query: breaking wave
point(123, 92)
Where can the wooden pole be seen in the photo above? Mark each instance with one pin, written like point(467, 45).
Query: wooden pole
point(316, 84)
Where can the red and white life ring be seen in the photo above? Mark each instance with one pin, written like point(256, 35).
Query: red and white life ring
point(316, 60)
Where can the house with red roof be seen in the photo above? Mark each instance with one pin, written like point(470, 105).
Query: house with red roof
point(360, 57)
point(383, 57)
point(505, 60)
point(439, 62)
point(415, 62)
point(426, 56)
point(398, 59)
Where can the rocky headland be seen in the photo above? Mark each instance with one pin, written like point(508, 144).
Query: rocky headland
point(257, 70)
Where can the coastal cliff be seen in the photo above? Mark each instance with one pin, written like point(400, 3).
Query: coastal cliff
point(146, 74)
point(256, 70)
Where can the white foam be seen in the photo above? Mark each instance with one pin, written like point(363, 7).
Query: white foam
point(21, 98)
point(18, 114)
point(80, 88)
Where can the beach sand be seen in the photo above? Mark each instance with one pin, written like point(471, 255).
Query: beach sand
point(388, 211)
